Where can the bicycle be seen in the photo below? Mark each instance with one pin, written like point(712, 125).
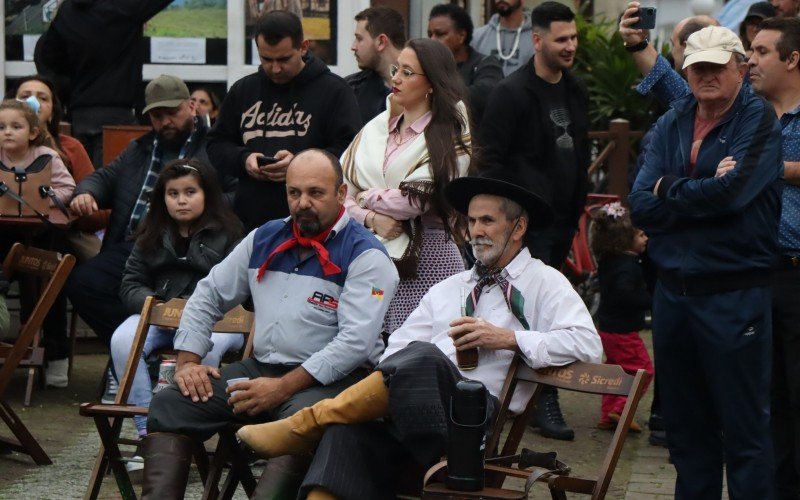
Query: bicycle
point(580, 266)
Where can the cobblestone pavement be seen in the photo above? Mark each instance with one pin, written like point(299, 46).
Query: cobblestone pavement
point(643, 471)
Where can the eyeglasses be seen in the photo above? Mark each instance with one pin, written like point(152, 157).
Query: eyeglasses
point(406, 73)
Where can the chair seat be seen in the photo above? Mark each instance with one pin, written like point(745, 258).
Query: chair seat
point(434, 490)
point(111, 410)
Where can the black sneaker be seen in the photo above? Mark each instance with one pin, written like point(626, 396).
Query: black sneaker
point(548, 418)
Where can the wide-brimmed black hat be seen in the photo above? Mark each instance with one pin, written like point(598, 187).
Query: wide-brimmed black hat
point(499, 182)
point(760, 10)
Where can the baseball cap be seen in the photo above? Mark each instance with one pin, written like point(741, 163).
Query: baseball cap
point(712, 44)
point(166, 91)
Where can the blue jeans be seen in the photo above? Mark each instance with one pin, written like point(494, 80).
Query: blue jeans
point(157, 338)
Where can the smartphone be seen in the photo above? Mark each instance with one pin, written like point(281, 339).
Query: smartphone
point(647, 19)
point(265, 160)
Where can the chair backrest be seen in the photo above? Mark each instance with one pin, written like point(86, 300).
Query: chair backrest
point(117, 137)
point(168, 315)
point(591, 378)
point(51, 267)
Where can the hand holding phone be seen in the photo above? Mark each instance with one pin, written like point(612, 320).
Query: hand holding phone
point(265, 160)
point(647, 19)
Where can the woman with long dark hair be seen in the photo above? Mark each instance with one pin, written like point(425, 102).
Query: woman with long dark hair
point(188, 229)
point(396, 169)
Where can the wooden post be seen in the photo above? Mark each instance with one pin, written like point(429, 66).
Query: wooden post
point(620, 131)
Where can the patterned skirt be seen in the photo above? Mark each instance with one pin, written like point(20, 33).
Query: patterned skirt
point(439, 259)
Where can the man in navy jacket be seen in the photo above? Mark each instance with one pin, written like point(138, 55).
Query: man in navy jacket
point(708, 196)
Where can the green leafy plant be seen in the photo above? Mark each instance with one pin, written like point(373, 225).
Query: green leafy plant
point(610, 75)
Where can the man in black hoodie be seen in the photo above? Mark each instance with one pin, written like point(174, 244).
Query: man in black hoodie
point(292, 103)
point(94, 51)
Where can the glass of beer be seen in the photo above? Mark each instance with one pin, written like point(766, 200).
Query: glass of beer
point(466, 359)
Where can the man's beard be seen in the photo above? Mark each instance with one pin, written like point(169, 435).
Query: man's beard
point(309, 226)
point(507, 11)
point(177, 136)
point(490, 252)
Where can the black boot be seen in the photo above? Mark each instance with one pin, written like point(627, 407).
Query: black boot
point(548, 418)
point(282, 478)
point(167, 458)
point(658, 436)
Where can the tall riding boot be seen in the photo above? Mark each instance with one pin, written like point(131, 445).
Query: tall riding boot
point(320, 493)
point(167, 458)
point(282, 478)
point(548, 418)
point(301, 433)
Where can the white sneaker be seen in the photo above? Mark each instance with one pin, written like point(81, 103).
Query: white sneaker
point(56, 373)
point(134, 463)
point(110, 394)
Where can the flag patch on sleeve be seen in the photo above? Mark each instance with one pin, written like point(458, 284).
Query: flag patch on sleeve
point(377, 293)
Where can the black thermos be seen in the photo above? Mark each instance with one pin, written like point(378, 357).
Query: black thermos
point(467, 437)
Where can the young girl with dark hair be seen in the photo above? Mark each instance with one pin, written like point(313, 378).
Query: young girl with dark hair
point(624, 299)
point(396, 169)
point(188, 229)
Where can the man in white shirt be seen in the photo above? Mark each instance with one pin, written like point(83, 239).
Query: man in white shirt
point(518, 306)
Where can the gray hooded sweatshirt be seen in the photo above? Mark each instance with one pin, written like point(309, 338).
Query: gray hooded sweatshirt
point(484, 40)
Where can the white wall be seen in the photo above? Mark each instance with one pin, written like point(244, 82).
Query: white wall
point(236, 68)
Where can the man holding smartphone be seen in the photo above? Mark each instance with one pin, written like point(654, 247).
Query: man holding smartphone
point(292, 103)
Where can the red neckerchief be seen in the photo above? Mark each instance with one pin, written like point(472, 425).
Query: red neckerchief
point(314, 242)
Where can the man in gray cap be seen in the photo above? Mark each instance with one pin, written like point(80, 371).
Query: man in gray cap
point(708, 196)
point(124, 186)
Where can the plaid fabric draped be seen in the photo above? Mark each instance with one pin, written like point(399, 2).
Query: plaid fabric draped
point(156, 163)
point(513, 297)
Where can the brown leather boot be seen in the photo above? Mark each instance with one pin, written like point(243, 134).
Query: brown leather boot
point(282, 478)
point(167, 458)
point(301, 433)
point(320, 493)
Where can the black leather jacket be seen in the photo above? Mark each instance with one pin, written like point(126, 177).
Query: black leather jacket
point(163, 274)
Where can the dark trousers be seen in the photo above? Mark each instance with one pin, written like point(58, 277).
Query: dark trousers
point(93, 289)
point(368, 460)
point(786, 382)
point(171, 411)
point(713, 354)
point(551, 245)
point(87, 127)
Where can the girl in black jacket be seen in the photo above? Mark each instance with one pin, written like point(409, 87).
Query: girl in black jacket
point(624, 299)
point(188, 229)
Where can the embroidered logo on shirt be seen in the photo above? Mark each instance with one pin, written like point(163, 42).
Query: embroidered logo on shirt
point(323, 300)
point(377, 293)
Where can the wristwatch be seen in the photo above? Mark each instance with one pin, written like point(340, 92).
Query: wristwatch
point(637, 47)
point(361, 199)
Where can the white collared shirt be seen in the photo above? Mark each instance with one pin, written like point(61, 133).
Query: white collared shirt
point(561, 329)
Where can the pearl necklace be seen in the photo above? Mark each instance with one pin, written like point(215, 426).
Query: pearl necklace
point(513, 48)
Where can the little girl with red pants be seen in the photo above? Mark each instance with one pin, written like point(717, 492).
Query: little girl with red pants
point(624, 299)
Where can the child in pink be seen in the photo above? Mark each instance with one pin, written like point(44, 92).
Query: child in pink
point(624, 299)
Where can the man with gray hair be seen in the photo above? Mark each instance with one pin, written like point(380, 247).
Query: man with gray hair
point(713, 239)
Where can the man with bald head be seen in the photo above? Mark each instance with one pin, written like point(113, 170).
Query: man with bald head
point(320, 285)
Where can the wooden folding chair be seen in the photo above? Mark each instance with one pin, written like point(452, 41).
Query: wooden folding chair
point(108, 418)
point(54, 268)
point(588, 378)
